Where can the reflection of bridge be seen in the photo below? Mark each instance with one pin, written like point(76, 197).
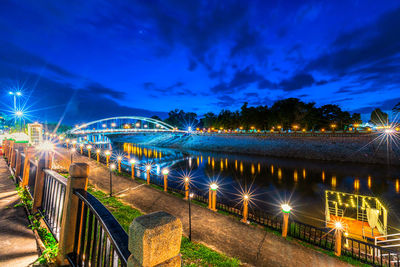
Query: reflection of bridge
point(97, 131)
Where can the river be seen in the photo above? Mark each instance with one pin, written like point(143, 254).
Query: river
point(273, 181)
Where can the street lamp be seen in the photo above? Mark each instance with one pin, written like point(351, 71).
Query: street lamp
point(81, 147)
point(186, 180)
point(107, 153)
point(112, 167)
point(119, 159)
point(246, 198)
point(67, 142)
point(98, 154)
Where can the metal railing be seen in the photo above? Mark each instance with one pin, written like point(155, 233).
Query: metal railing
point(53, 201)
point(99, 239)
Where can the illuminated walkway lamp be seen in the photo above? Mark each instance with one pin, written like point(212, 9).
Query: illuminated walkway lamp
point(165, 173)
point(98, 155)
point(74, 144)
point(148, 169)
point(338, 238)
point(81, 147)
point(107, 153)
point(212, 197)
point(112, 168)
point(119, 159)
point(132, 161)
point(186, 181)
point(89, 148)
point(67, 142)
point(286, 211)
point(246, 198)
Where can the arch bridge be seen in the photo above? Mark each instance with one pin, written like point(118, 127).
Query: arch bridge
point(97, 131)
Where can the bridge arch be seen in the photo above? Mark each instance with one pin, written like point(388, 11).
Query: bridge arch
point(117, 122)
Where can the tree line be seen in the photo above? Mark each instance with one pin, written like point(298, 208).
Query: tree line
point(286, 113)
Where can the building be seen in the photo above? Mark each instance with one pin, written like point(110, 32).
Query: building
point(35, 133)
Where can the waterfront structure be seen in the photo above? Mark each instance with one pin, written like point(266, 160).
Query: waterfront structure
point(35, 131)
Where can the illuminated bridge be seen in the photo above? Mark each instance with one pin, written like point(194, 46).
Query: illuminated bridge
point(99, 130)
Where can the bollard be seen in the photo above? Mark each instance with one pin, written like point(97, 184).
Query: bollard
point(81, 147)
point(186, 180)
point(78, 180)
point(29, 154)
point(108, 153)
point(155, 240)
point(89, 148)
point(286, 211)
point(245, 208)
point(119, 159)
point(165, 172)
point(98, 155)
point(148, 168)
point(132, 161)
point(338, 242)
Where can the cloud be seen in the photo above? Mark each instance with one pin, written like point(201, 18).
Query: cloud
point(97, 88)
point(296, 82)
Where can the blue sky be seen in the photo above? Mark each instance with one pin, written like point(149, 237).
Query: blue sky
point(85, 60)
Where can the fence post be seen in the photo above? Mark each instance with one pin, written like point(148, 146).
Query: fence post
point(78, 180)
point(39, 182)
point(155, 240)
point(29, 153)
point(6, 143)
point(21, 147)
point(11, 153)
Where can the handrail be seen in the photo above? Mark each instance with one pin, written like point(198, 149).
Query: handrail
point(117, 234)
point(56, 176)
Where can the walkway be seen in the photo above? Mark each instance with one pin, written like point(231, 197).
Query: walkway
point(17, 242)
point(252, 245)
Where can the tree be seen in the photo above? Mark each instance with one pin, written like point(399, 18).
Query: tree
point(209, 120)
point(396, 108)
point(378, 117)
point(182, 120)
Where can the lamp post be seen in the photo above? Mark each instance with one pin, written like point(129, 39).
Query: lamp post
point(212, 197)
point(286, 211)
point(98, 155)
point(186, 181)
point(148, 168)
point(89, 148)
point(132, 161)
point(190, 217)
point(81, 146)
point(333, 126)
point(112, 167)
point(245, 207)
point(119, 159)
point(165, 173)
point(108, 153)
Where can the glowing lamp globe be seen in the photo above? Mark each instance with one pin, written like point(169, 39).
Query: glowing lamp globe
point(112, 166)
point(286, 208)
point(132, 161)
point(89, 147)
point(186, 179)
point(119, 158)
point(165, 171)
point(338, 225)
point(73, 150)
point(107, 152)
point(148, 167)
point(97, 150)
point(213, 186)
point(246, 196)
point(81, 145)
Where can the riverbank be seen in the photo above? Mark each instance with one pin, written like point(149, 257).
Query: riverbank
point(365, 148)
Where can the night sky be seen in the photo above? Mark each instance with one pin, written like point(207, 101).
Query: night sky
point(84, 60)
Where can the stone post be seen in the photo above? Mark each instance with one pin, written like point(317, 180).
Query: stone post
point(78, 180)
point(29, 154)
point(155, 240)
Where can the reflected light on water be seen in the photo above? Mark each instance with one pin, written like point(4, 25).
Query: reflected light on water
point(272, 169)
point(295, 176)
point(333, 181)
point(304, 174)
point(369, 182)
point(397, 186)
point(279, 173)
point(323, 176)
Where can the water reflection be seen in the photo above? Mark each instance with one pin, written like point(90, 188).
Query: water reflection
point(277, 179)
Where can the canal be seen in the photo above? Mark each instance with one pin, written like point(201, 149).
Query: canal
point(272, 181)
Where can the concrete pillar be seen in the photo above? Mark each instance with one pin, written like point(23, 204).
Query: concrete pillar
point(29, 154)
point(155, 240)
point(78, 180)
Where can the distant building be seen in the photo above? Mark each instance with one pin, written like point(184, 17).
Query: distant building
point(35, 133)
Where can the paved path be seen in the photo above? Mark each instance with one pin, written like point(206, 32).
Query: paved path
point(252, 245)
point(18, 245)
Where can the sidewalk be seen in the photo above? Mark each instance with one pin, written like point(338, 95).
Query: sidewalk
point(17, 242)
point(252, 245)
